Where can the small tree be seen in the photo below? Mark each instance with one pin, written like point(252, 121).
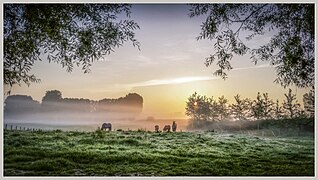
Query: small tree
point(240, 108)
point(214, 110)
point(291, 105)
point(257, 107)
point(278, 111)
point(223, 108)
point(267, 106)
point(198, 107)
point(309, 103)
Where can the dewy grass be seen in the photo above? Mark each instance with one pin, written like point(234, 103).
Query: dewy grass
point(57, 153)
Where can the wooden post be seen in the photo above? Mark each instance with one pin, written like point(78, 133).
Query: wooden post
point(23, 128)
point(6, 126)
point(11, 128)
point(16, 127)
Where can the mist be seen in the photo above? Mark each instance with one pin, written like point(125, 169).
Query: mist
point(55, 112)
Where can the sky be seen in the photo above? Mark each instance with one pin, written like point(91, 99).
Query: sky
point(167, 69)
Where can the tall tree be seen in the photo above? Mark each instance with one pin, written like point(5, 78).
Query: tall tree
point(223, 108)
point(68, 34)
point(267, 106)
point(257, 107)
point(214, 110)
point(291, 105)
point(198, 107)
point(240, 108)
point(290, 49)
point(278, 111)
point(309, 103)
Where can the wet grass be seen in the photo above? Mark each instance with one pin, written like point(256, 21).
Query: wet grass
point(57, 153)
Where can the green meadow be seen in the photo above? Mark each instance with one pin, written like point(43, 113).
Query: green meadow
point(144, 153)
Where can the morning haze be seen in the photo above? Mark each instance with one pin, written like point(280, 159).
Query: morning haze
point(159, 89)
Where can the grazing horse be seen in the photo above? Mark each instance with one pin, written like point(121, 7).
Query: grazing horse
point(174, 126)
point(157, 128)
point(166, 128)
point(107, 126)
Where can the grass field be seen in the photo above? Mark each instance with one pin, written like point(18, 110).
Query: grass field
point(133, 153)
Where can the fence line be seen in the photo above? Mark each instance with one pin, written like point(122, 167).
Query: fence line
point(22, 128)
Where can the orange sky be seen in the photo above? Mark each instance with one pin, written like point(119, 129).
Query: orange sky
point(166, 71)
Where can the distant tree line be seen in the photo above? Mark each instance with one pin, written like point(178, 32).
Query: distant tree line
point(53, 101)
point(203, 109)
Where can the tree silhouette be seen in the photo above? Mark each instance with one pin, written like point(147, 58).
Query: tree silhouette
point(309, 103)
point(16, 105)
point(290, 49)
point(223, 109)
point(278, 111)
point(257, 107)
point(240, 109)
point(52, 96)
point(51, 101)
point(291, 105)
point(198, 107)
point(68, 34)
point(214, 110)
point(267, 107)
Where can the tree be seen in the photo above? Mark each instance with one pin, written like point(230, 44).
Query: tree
point(278, 112)
point(240, 108)
point(214, 110)
point(290, 49)
point(309, 103)
point(198, 107)
point(68, 34)
point(52, 96)
point(17, 105)
point(291, 105)
point(223, 109)
point(257, 107)
point(267, 106)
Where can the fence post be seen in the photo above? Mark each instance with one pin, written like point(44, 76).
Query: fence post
point(23, 128)
point(11, 128)
point(6, 126)
point(20, 128)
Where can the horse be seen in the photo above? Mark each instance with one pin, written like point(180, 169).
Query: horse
point(157, 128)
point(174, 126)
point(166, 128)
point(107, 126)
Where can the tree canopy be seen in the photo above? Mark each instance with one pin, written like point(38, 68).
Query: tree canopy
point(290, 49)
point(68, 34)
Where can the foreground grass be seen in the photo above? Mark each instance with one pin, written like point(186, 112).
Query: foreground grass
point(56, 153)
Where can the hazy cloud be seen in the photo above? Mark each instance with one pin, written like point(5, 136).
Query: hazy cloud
point(180, 80)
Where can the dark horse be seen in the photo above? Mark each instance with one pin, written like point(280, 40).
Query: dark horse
point(174, 126)
point(166, 128)
point(157, 128)
point(107, 126)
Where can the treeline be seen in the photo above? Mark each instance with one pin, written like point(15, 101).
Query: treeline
point(53, 102)
point(202, 109)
